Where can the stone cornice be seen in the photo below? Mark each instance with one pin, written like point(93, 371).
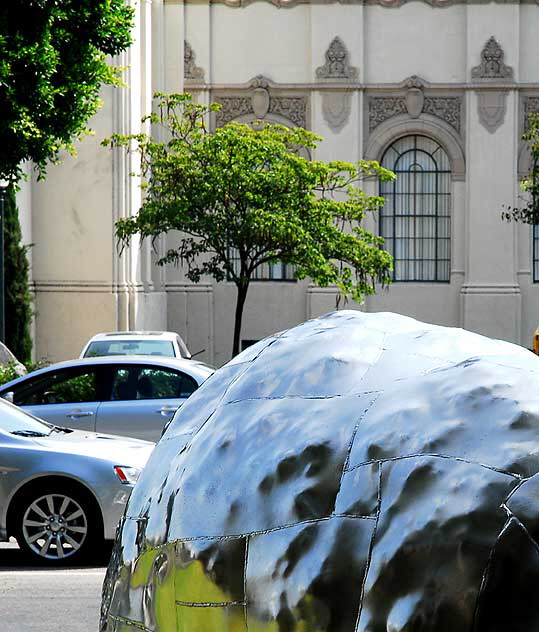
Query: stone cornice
point(283, 4)
point(358, 86)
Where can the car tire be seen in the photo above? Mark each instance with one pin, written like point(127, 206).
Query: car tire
point(56, 525)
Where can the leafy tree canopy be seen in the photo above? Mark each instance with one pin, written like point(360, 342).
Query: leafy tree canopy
point(52, 64)
point(245, 196)
point(528, 213)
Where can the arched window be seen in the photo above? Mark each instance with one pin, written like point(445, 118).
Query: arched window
point(416, 218)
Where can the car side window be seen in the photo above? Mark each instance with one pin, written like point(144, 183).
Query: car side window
point(163, 384)
point(124, 384)
point(75, 385)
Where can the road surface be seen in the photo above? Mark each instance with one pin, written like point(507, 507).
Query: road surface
point(47, 600)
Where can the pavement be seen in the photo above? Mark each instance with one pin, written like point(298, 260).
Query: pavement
point(47, 600)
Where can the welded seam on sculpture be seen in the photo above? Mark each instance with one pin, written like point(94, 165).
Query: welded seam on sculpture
point(381, 350)
point(209, 604)
point(487, 569)
point(135, 624)
point(308, 397)
point(371, 546)
point(247, 542)
point(350, 446)
point(440, 456)
point(522, 526)
point(354, 433)
point(239, 536)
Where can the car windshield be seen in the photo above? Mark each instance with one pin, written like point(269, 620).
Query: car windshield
point(130, 347)
point(16, 421)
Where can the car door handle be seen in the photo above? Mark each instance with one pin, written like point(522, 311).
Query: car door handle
point(167, 410)
point(76, 414)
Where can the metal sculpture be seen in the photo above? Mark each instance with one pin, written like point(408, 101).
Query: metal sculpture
point(357, 473)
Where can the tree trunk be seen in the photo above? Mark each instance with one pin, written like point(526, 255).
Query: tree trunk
point(240, 302)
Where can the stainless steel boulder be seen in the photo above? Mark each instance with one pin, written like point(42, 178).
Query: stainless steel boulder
point(357, 473)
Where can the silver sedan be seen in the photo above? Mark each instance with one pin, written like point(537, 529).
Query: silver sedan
point(62, 491)
point(133, 396)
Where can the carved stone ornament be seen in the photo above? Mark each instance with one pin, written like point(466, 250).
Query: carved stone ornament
point(383, 108)
point(492, 66)
point(260, 101)
point(446, 108)
point(336, 109)
point(491, 108)
point(337, 65)
point(190, 69)
point(414, 103)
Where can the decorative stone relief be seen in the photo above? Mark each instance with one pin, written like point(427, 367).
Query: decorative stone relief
point(446, 108)
point(383, 108)
point(414, 103)
point(337, 66)
point(336, 109)
point(336, 104)
point(232, 108)
point(260, 102)
point(190, 69)
point(492, 66)
point(491, 108)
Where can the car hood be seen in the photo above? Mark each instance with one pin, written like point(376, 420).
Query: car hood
point(120, 450)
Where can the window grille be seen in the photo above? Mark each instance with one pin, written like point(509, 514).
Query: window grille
point(415, 220)
point(277, 271)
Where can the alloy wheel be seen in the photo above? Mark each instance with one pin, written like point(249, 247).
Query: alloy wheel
point(54, 526)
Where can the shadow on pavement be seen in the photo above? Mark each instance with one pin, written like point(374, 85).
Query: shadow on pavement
point(12, 558)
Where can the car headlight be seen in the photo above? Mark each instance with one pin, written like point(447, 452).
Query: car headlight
point(127, 475)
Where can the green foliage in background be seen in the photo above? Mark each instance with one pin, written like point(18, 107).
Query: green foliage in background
point(18, 300)
point(8, 372)
point(245, 196)
point(528, 213)
point(52, 65)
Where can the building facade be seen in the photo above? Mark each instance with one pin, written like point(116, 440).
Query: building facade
point(438, 91)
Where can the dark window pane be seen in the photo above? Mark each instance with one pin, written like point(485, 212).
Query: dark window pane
point(63, 387)
point(415, 219)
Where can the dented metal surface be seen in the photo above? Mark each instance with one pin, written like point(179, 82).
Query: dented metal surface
point(357, 473)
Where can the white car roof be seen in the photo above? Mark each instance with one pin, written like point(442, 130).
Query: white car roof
point(135, 335)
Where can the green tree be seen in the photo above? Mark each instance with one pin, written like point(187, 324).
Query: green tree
point(52, 64)
point(528, 212)
point(18, 300)
point(244, 196)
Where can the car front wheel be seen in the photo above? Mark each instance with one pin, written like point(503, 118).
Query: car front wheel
point(56, 526)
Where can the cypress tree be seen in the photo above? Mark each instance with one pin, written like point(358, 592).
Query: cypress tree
point(18, 300)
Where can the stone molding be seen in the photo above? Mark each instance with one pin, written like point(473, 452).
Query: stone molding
point(412, 101)
point(491, 108)
point(337, 66)
point(191, 72)
point(262, 99)
point(426, 125)
point(283, 4)
point(492, 66)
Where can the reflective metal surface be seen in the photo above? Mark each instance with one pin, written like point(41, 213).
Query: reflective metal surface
point(357, 473)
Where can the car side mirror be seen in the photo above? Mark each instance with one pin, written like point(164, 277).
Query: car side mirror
point(9, 396)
